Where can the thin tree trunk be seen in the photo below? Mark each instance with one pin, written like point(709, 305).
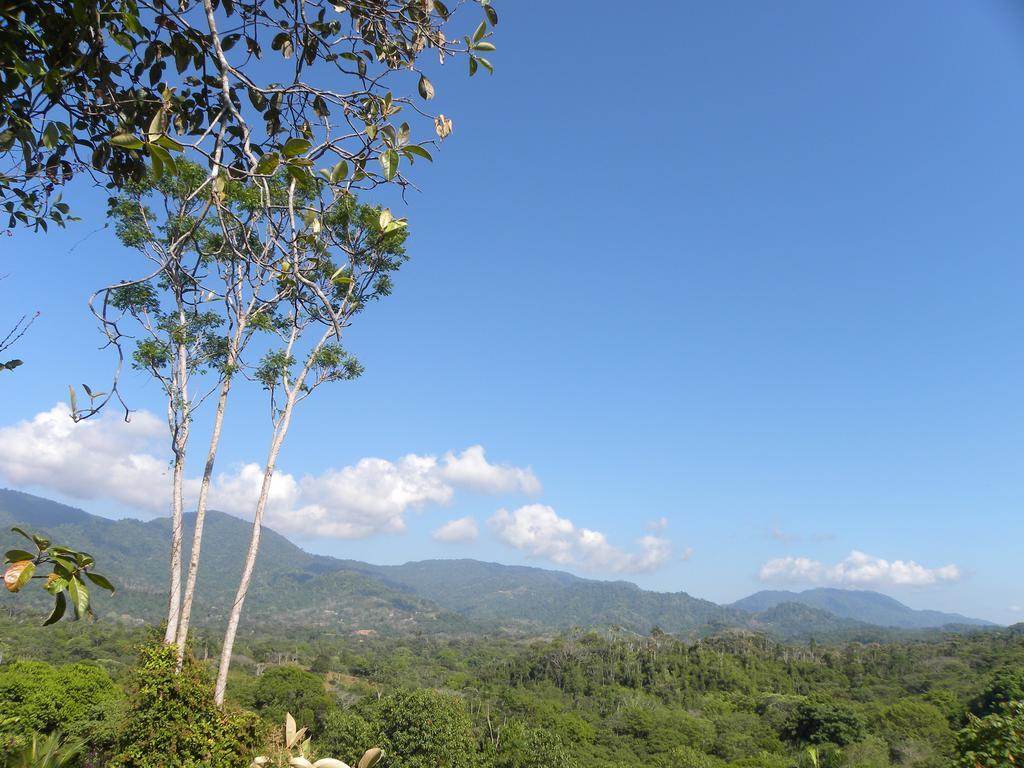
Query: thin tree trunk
point(250, 557)
point(179, 389)
point(197, 535)
point(280, 431)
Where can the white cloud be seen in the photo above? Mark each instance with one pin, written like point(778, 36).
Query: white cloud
point(460, 530)
point(657, 526)
point(370, 497)
point(858, 569)
point(538, 531)
point(110, 459)
point(471, 469)
point(236, 492)
point(104, 457)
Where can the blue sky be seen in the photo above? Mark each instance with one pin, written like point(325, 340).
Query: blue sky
point(753, 268)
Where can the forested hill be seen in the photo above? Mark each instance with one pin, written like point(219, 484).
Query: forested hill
point(493, 593)
point(435, 596)
point(861, 605)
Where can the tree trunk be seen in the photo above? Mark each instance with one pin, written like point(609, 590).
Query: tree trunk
point(250, 557)
point(197, 535)
point(177, 534)
point(179, 413)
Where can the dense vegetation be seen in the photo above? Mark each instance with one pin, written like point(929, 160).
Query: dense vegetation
point(575, 699)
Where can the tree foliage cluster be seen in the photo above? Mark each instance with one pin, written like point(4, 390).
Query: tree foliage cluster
point(113, 87)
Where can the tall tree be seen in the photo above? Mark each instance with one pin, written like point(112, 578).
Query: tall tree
point(300, 148)
point(193, 314)
point(179, 336)
point(333, 260)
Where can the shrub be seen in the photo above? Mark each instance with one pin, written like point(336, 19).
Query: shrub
point(424, 729)
point(173, 723)
point(995, 741)
point(285, 689)
point(79, 699)
point(345, 734)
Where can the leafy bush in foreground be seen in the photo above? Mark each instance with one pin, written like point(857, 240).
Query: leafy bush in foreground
point(173, 722)
point(994, 741)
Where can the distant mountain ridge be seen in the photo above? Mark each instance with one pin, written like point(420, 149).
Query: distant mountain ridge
point(433, 596)
point(859, 605)
point(521, 595)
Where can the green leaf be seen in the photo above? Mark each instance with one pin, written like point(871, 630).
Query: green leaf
point(297, 173)
point(50, 136)
point(295, 147)
point(485, 64)
point(100, 581)
point(472, 65)
point(14, 555)
point(389, 162)
point(268, 164)
point(127, 141)
point(60, 604)
point(492, 15)
point(156, 125)
point(16, 529)
point(74, 405)
point(414, 149)
point(55, 584)
point(84, 559)
point(168, 143)
point(339, 172)
point(157, 167)
point(79, 595)
point(426, 88)
point(162, 157)
point(480, 32)
point(484, 46)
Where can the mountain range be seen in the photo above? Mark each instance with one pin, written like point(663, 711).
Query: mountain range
point(860, 605)
point(297, 588)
